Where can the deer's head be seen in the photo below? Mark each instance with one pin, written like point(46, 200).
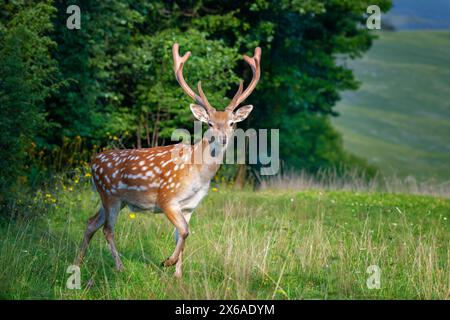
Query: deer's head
point(221, 123)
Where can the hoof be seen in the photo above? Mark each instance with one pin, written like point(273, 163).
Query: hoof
point(78, 261)
point(90, 283)
point(120, 267)
point(168, 262)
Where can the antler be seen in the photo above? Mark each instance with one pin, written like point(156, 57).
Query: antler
point(240, 96)
point(178, 63)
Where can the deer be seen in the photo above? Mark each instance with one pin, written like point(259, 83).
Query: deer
point(154, 180)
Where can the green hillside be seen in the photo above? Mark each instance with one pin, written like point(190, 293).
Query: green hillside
point(399, 119)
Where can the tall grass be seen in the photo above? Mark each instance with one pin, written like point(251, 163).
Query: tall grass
point(242, 245)
point(354, 180)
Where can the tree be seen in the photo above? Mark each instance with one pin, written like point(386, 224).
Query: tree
point(117, 73)
point(119, 68)
point(301, 74)
point(27, 77)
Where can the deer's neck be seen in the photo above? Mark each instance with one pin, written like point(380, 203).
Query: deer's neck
point(210, 155)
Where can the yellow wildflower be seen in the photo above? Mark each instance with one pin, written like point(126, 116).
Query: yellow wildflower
point(215, 189)
point(132, 216)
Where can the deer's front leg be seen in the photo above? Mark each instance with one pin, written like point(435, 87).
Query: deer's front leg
point(175, 215)
point(179, 266)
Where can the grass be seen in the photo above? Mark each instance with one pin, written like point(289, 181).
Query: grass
point(355, 181)
point(243, 245)
point(399, 119)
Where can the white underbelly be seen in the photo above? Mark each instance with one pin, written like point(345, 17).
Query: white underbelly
point(191, 200)
point(150, 208)
point(186, 200)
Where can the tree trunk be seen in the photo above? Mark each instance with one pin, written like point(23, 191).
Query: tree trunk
point(155, 129)
point(241, 175)
point(147, 131)
point(138, 135)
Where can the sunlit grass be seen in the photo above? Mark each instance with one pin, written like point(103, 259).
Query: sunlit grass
point(243, 245)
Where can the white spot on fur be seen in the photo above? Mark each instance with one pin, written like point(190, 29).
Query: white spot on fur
point(166, 163)
point(122, 185)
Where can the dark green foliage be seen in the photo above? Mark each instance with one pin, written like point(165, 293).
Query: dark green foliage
point(27, 77)
point(301, 78)
point(117, 84)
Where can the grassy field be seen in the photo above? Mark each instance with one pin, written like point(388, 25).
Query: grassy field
point(399, 119)
point(243, 245)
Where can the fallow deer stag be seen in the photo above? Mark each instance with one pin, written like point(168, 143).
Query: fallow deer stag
point(151, 180)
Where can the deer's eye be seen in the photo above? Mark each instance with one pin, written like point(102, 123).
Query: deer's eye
point(231, 123)
point(210, 124)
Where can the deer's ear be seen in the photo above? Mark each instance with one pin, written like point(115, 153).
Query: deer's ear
point(200, 113)
point(242, 113)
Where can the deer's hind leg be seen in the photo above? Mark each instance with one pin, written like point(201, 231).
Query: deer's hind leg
point(112, 211)
point(94, 223)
